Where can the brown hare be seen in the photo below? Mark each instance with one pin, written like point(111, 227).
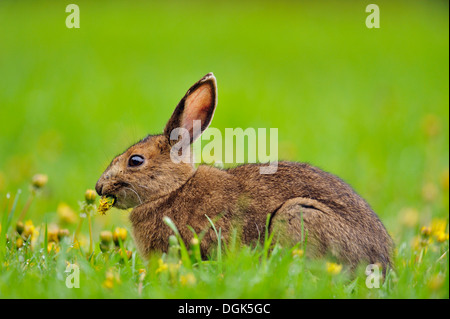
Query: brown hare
point(304, 201)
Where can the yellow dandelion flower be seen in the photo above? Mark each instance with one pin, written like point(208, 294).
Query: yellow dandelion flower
point(108, 283)
point(438, 225)
point(441, 237)
point(421, 242)
point(162, 266)
point(80, 241)
point(298, 253)
point(52, 246)
point(34, 237)
point(425, 231)
point(19, 242)
point(333, 268)
point(194, 241)
point(28, 229)
point(104, 247)
point(19, 227)
point(429, 192)
point(76, 245)
point(188, 279)
point(66, 214)
point(436, 282)
point(109, 275)
point(52, 233)
point(105, 204)
point(106, 236)
point(62, 233)
point(142, 273)
point(119, 233)
point(90, 196)
point(415, 243)
point(39, 180)
point(409, 217)
point(128, 253)
point(173, 269)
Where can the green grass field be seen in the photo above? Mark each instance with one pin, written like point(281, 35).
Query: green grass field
point(369, 105)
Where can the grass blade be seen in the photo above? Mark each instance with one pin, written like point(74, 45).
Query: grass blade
point(219, 243)
point(6, 223)
point(184, 253)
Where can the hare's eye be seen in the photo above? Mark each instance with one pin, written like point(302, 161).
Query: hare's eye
point(135, 160)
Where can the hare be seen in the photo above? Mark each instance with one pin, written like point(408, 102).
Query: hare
point(304, 202)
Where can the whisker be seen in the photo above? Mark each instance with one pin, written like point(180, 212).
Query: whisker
point(140, 200)
point(133, 187)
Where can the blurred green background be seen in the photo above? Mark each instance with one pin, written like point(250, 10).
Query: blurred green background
point(369, 105)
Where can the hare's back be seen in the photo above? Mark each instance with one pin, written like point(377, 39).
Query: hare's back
point(294, 179)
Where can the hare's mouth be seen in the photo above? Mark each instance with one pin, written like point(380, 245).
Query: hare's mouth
point(126, 197)
point(125, 194)
point(114, 197)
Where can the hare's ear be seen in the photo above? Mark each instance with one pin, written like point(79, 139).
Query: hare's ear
point(198, 104)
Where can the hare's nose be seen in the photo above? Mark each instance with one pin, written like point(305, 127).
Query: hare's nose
point(99, 188)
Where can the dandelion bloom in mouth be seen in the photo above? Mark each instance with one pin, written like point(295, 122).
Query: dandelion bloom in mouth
point(105, 204)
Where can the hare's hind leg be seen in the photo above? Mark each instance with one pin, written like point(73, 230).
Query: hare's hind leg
point(316, 226)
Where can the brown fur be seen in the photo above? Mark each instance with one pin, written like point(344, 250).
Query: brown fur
point(302, 200)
